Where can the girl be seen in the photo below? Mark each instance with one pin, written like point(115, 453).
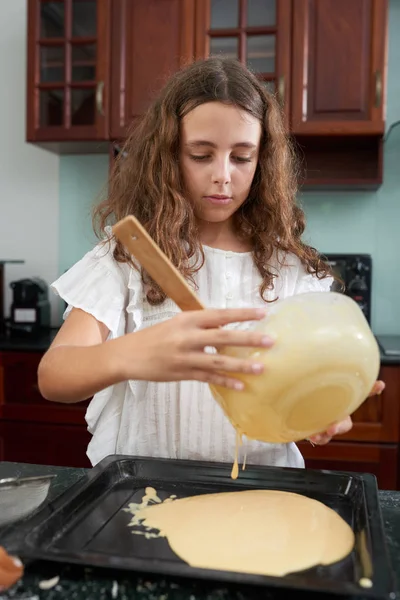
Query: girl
point(209, 173)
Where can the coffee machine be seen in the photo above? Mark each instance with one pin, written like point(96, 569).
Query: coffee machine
point(30, 308)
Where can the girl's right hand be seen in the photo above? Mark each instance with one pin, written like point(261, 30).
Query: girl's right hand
point(174, 350)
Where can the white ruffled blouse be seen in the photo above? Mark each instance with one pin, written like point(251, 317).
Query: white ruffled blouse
point(178, 419)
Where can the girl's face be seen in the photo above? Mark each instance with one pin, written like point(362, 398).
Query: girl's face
point(218, 156)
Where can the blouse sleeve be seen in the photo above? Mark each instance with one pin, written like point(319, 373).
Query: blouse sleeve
point(96, 284)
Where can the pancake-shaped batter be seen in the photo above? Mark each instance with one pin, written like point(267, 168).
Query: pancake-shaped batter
point(264, 532)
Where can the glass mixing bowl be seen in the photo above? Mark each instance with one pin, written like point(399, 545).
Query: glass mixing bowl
point(321, 368)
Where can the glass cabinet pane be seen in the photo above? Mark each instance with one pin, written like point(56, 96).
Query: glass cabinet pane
point(52, 19)
point(83, 106)
point(270, 86)
point(84, 15)
point(51, 108)
point(261, 53)
point(224, 46)
point(83, 62)
point(52, 64)
point(261, 13)
point(224, 14)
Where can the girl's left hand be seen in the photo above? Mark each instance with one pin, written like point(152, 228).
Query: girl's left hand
point(344, 426)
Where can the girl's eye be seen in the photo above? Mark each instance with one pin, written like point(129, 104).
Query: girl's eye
point(199, 158)
point(242, 159)
point(203, 157)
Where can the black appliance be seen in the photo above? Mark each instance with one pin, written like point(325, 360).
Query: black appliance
point(355, 271)
point(30, 308)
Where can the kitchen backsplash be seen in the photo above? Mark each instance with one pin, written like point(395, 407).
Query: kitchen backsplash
point(82, 179)
point(337, 221)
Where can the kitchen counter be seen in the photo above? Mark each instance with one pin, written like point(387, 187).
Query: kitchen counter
point(390, 343)
point(26, 344)
point(389, 360)
point(79, 583)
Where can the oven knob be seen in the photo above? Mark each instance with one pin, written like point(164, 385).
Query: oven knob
point(357, 285)
point(359, 267)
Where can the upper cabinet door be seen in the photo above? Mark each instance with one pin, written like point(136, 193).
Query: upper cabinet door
point(339, 66)
point(68, 69)
point(152, 39)
point(256, 32)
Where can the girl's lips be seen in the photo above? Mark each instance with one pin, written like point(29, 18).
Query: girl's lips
point(218, 200)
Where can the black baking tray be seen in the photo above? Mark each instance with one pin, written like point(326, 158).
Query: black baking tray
point(88, 526)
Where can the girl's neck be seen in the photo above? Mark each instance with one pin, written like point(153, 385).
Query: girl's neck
point(222, 236)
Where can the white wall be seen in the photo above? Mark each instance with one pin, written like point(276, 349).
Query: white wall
point(29, 176)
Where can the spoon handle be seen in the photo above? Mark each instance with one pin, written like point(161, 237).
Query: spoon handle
point(139, 243)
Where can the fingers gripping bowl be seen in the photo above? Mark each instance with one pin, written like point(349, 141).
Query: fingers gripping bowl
point(321, 368)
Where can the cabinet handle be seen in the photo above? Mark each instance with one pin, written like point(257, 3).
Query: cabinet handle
point(281, 90)
point(378, 89)
point(99, 98)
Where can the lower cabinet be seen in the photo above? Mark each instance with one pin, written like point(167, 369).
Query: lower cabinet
point(34, 430)
point(382, 460)
point(44, 444)
point(372, 446)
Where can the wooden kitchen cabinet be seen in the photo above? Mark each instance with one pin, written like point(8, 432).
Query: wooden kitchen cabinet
point(382, 460)
point(378, 418)
point(339, 67)
point(32, 429)
point(326, 61)
point(145, 52)
point(256, 33)
point(151, 40)
point(44, 444)
point(68, 71)
point(35, 430)
point(372, 446)
point(94, 66)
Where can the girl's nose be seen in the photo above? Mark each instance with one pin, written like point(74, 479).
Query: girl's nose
point(222, 172)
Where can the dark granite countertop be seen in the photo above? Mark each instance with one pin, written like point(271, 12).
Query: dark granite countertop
point(27, 344)
point(389, 343)
point(389, 360)
point(83, 583)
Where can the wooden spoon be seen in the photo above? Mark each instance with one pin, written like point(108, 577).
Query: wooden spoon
point(138, 242)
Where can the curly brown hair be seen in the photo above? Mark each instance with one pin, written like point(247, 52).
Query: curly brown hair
point(146, 180)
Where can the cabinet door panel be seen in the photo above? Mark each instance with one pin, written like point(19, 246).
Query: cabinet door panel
point(378, 418)
point(20, 398)
point(20, 378)
point(151, 41)
point(339, 66)
point(68, 70)
point(44, 444)
point(382, 460)
point(257, 32)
